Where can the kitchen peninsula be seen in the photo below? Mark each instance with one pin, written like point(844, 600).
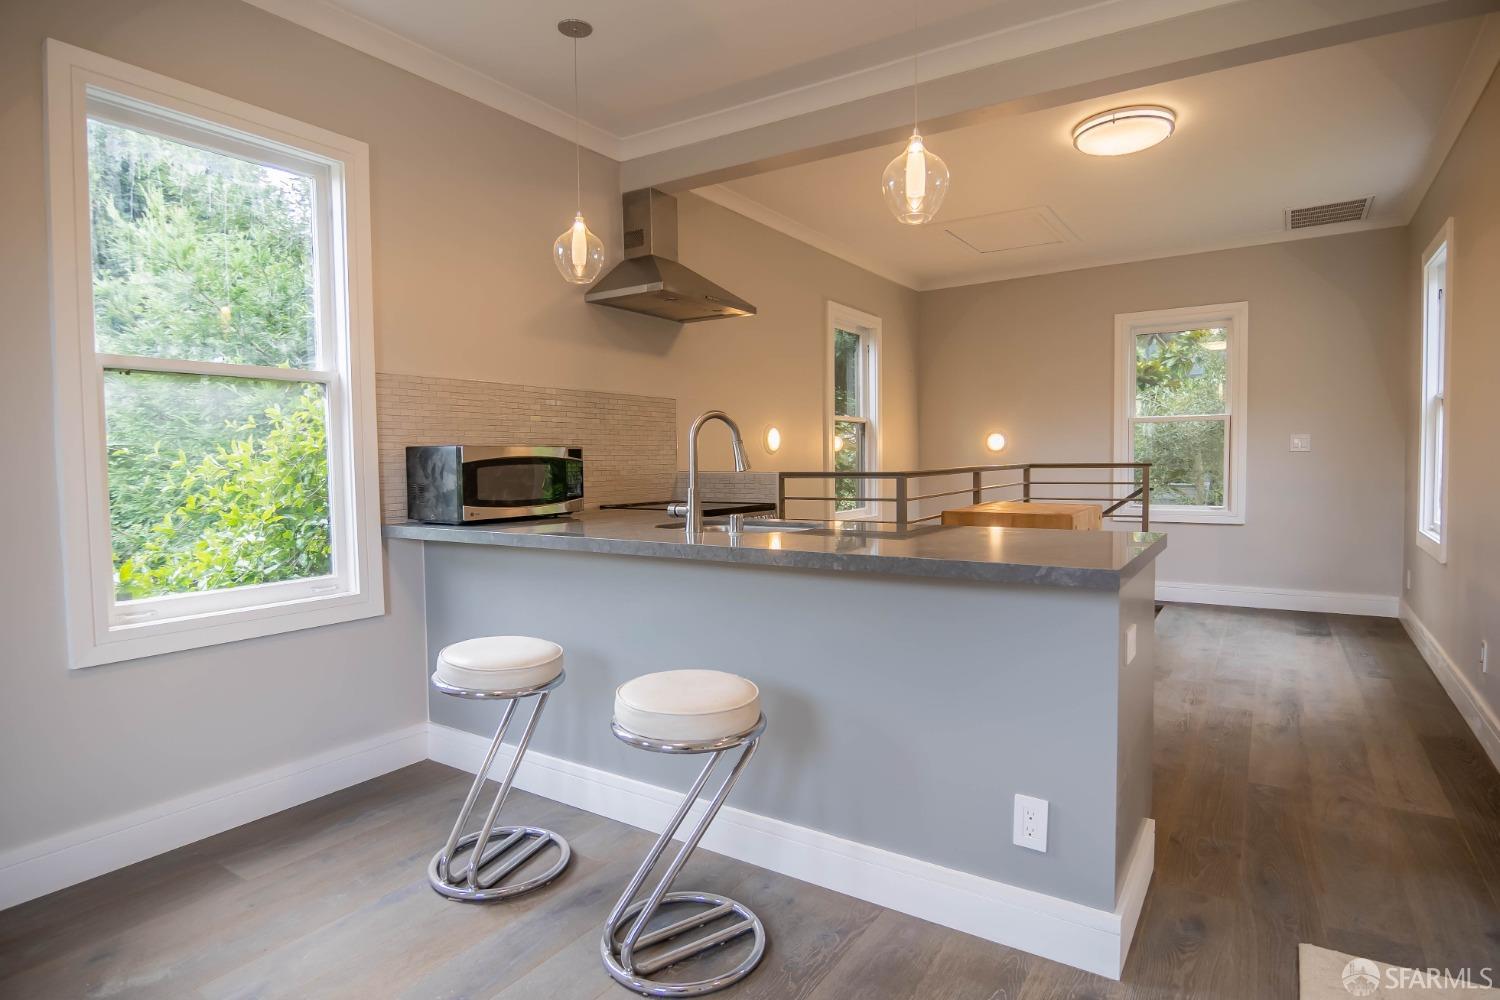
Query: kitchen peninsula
point(914, 683)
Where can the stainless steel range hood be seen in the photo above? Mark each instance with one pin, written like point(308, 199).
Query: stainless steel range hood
point(650, 280)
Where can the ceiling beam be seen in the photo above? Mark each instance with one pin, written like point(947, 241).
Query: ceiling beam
point(1204, 41)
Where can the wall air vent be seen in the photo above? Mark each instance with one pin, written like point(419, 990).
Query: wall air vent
point(1329, 214)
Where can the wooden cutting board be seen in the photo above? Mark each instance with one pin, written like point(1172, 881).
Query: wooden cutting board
point(1019, 514)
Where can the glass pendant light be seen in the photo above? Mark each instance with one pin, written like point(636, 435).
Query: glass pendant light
point(578, 253)
point(915, 182)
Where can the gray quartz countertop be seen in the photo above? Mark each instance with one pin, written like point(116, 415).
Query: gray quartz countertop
point(1096, 560)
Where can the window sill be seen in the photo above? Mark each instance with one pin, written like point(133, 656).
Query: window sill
point(1168, 515)
point(131, 642)
point(1434, 547)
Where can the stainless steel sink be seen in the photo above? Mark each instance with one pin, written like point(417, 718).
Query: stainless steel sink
point(737, 525)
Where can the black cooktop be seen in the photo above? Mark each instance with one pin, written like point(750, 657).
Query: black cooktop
point(711, 508)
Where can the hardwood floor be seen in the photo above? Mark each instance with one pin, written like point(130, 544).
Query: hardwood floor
point(1313, 783)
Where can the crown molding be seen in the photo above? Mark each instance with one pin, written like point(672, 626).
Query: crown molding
point(818, 240)
point(1265, 239)
point(1105, 17)
point(370, 38)
point(1051, 32)
point(1042, 34)
point(1475, 75)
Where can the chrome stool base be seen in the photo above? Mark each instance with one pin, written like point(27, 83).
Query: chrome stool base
point(471, 867)
point(717, 908)
point(625, 934)
point(510, 848)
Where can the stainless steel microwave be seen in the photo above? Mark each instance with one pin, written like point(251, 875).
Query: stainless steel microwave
point(456, 483)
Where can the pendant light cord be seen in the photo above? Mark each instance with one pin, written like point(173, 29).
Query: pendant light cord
point(915, 55)
point(577, 136)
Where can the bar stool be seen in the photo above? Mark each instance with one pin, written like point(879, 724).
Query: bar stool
point(683, 712)
point(508, 668)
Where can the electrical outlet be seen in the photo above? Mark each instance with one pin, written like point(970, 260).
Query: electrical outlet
point(1484, 656)
point(1130, 645)
point(1030, 823)
point(1301, 442)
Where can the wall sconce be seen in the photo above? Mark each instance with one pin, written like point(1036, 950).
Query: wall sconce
point(772, 440)
point(995, 441)
point(838, 443)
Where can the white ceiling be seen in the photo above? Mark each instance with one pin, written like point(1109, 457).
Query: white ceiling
point(658, 74)
point(651, 63)
point(1368, 118)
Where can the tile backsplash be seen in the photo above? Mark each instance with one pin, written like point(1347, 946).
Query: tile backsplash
point(629, 442)
point(731, 485)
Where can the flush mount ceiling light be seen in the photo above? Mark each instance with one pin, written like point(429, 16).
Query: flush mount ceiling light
point(578, 253)
point(1124, 130)
point(916, 181)
point(995, 441)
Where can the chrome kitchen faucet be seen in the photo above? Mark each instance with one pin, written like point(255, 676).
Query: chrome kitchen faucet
point(741, 464)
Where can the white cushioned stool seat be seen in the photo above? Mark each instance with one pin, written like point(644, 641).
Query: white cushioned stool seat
point(687, 706)
point(499, 663)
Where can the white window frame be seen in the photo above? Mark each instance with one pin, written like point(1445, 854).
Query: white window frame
point(80, 83)
point(867, 326)
point(1436, 411)
point(1234, 317)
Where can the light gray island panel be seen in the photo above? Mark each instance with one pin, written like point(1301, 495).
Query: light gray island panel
point(905, 711)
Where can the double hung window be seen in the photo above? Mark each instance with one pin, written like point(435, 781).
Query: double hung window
point(214, 384)
point(1181, 405)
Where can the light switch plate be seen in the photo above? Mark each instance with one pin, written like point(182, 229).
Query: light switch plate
point(1302, 442)
point(1030, 823)
point(1130, 645)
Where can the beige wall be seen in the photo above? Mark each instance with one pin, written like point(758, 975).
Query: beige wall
point(1460, 602)
point(85, 745)
point(771, 369)
point(1033, 358)
point(465, 204)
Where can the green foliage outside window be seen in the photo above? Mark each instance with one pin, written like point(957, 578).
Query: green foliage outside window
point(254, 509)
point(214, 482)
point(1183, 373)
point(848, 387)
point(849, 457)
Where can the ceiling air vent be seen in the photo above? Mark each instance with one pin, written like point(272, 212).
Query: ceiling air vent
point(1329, 214)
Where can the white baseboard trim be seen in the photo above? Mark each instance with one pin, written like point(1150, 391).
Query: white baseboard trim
point(1081, 936)
point(54, 863)
point(1279, 599)
point(1477, 712)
